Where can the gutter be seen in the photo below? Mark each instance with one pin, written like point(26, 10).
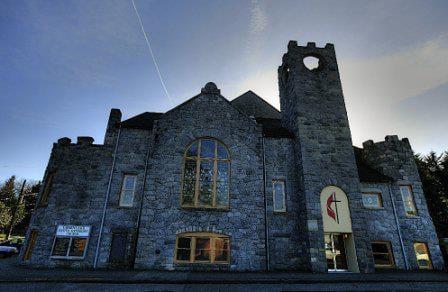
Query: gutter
point(266, 231)
point(106, 200)
point(406, 264)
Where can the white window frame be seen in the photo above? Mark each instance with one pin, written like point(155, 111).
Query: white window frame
point(283, 210)
point(123, 189)
point(411, 193)
point(380, 196)
point(67, 257)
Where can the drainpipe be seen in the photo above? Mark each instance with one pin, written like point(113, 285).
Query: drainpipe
point(398, 228)
point(106, 200)
point(137, 233)
point(266, 231)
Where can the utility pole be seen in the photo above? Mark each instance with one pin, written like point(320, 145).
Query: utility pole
point(16, 207)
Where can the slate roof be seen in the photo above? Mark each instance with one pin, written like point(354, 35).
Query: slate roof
point(272, 128)
point(367, 173)
point(142, 121)
point(253, 105)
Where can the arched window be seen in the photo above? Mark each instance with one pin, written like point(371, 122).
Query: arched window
point(202, 247)
point(205, 182)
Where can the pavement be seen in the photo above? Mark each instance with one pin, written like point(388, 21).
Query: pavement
point(19, 278)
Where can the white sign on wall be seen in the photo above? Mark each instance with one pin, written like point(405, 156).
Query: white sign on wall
point(335, 210)
point(73, 230)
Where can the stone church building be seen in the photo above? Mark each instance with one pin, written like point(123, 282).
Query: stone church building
point(237, 185)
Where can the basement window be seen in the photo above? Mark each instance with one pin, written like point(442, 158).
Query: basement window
point(202, 247)
point(70, 242)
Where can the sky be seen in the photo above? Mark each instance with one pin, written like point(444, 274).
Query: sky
point(65, 64)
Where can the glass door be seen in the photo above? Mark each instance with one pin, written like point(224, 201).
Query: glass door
point(335, 252)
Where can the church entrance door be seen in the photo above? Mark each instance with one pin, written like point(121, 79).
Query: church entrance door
point(340, 249)
point(335, 252)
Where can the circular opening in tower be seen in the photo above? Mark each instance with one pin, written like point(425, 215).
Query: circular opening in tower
point(312, 63)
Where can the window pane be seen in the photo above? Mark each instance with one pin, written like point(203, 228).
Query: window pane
point(222, 194)
point(193, 150)
point(221, 250)
point(189, 182)
point(78, 246)
point(278, 196)
point(202, 251)
point(183, 254)
point(222, 184)
point(223, 171)
point(382, 259)
point(222, 152)
point(371, 200)
point(61, 246)
point(380, 248)
point(207, 148)
point(206, 183)
point(422, 254)
point(127, 198)
point(183, 248)
point(183, 242)
point(408, 200)
point(129, 181)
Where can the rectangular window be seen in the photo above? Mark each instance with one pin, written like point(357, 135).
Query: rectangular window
point(70, 242)
point(382, 254)
point(128, 190)
point(372, 200)
point(278, 187)
point(422, 254)
point(47, 189)
point(202, 248)
point(30, 246)
point(408, 200)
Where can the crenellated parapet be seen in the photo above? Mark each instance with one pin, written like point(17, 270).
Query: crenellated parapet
point(392, 157)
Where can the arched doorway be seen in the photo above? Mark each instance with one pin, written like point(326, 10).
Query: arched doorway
point(339, 244)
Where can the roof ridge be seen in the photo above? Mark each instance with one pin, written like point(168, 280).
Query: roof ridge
point(259, 97)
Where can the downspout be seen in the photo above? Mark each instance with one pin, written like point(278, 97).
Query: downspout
point(398, 228)
point(266, 231)
point(106, 200)
point(137, 233)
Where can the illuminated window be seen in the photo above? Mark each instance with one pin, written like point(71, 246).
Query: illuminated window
point(422, 254)
point(372, 200)
point(206, 175)
point(197, 247)
point(70, 242)
point(408, 200)
point(30, 246)
point(128, 190)
point(382, 254)
point(47, 189)
point(278, 187)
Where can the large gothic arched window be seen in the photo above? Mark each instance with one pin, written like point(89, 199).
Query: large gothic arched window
point(206, 176)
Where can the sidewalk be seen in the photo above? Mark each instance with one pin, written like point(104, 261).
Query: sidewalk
point(11, 273)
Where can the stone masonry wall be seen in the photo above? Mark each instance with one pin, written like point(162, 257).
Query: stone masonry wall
point(394, 158)
point(381, 224)
point(207, 115)
point(286, 236)
point(313, 109)
point(77, 195)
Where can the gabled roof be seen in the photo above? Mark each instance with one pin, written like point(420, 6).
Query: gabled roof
point(143, 121)
point(272, 128)
point(253, 105)
point(367, 173)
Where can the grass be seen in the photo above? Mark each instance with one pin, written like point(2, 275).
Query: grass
point(14, 238)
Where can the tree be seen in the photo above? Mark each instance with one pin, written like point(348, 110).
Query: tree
point(8, 200)
point(433, 170)
point(14, 206)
